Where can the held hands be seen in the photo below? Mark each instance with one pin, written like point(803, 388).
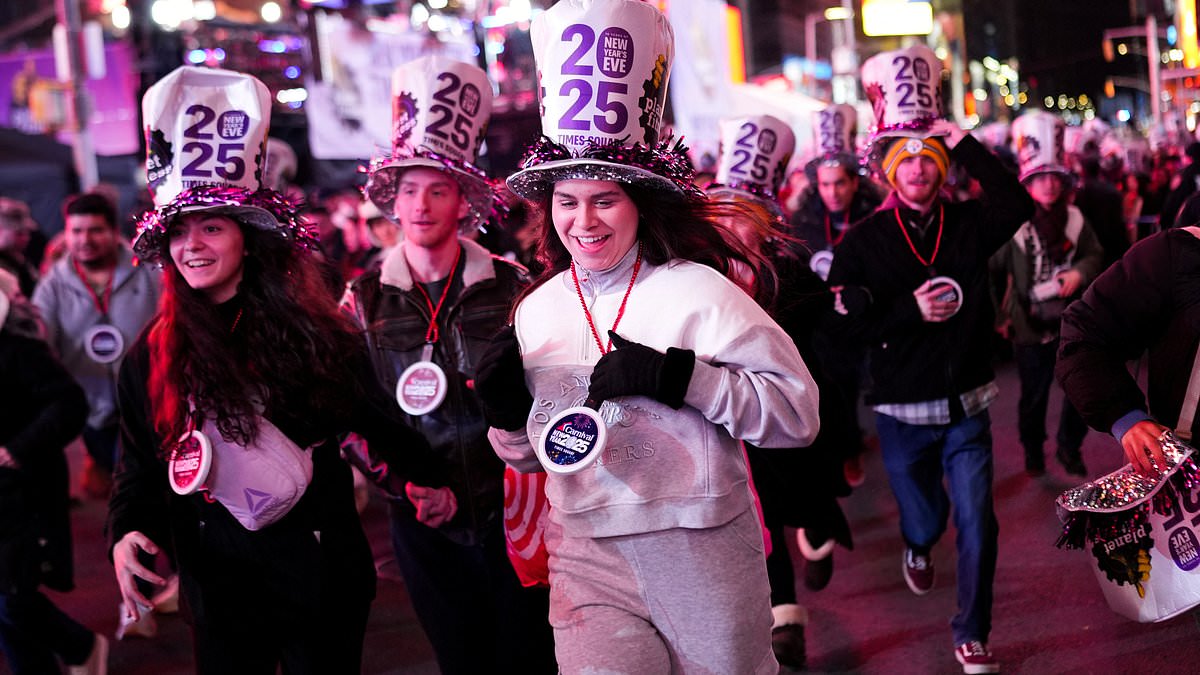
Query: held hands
point(632, 369)
point(7, 461)
point(125, 562)
point(1069, 282)
point(932, 309)
point(1142, 448)
point(435, 506)
point(500, 382)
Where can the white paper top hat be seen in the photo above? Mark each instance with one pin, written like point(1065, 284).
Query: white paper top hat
point(206, 136)
point(205, 127)
point(834, 129)
point(905, 90)
point(603, 69)
point(440, 113)
point(1039, 140)
point(993, 134)
point(755, 151)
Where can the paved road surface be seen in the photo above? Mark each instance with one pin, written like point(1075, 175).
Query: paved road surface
point(1049, 616)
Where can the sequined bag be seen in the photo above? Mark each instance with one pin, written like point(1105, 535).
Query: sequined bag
point(1142, 534)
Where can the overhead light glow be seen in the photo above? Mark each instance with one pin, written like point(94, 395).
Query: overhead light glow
point(205, 10)
point(896, 17)
point(120, 17)
point(271, 12)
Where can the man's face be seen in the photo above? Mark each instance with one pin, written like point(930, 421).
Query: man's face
point(1046, 189)
point(13, 239)
point(429, 206)
point(836, 187)
point(918, 181)
point(90, 239)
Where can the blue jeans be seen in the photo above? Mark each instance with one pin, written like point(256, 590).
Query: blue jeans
point(916, 458)
point(33, 631)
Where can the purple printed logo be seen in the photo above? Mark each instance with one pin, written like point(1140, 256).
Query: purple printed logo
point(257, 500)
point(1185, 549)
point(767, 141)
point(469, 99)
point(404, 112)
point(614, 52)
point(233, 124)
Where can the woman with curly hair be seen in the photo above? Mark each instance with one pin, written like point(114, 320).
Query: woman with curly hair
point(232, 403)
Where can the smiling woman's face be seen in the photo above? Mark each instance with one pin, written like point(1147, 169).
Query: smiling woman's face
point(596, 221)
point(209, 251)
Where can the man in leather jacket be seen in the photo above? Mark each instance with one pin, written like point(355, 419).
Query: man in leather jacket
point(429, 311)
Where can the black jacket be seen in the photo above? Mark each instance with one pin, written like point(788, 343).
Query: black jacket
point(41, 410)
point(913, 360)
point(1148, 300)
point(808, 222)
point(206, 540)
point(396, 317)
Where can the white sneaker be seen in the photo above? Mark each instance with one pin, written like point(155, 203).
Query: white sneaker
point(97, 661)
point(145, 626)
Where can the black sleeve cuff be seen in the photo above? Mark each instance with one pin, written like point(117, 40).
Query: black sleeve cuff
point(675, 376)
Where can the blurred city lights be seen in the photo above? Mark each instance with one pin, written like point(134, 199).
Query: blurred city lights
point(271, 12)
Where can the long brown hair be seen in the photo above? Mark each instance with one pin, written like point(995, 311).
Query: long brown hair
point(288, 350)
point(670, 227)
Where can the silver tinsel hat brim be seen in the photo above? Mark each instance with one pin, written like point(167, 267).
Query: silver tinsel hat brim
point(263, 209)
point(663, 166)
point(383, 184)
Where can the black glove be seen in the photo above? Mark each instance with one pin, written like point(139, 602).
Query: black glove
point(631, 369)
point(500, 382)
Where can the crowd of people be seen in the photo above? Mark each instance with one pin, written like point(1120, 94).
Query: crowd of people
point(665, 373)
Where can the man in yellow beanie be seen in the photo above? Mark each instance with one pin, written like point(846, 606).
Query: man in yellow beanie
point(911, 282)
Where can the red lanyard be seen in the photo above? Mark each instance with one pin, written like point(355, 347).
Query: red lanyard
point(101, 304)
point(937, 245)
point(431, 334)
point(637, 265)
point(829, 231)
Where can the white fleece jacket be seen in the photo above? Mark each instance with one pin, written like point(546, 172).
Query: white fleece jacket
point(661, 468)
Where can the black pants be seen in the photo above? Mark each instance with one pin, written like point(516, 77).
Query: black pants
point(1035, 365)
point(279, 598)
point(469, 601)
point(101, 445)
point(33, 631)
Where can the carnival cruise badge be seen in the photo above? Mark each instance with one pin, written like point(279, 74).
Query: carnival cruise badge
point(421, 388)
point(190, 462)
point(572, 440)
point(103, 343)
point(948, 291)
point(820, 262)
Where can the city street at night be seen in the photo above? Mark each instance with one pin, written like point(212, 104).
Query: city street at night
point(1050, 616)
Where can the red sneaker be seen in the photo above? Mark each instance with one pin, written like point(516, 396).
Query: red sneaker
point(976, 658)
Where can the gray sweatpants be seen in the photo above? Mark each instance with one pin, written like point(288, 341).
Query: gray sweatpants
point(675, 601)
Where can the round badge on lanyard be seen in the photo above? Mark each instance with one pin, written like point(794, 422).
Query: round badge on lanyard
point(820, 262)
point(191, 460)
point(421, 388)
point(572, 440)
point(948, 290)
point(103, 343)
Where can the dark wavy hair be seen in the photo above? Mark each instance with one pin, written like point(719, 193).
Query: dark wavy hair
point(671, 226)
point(288, 350)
